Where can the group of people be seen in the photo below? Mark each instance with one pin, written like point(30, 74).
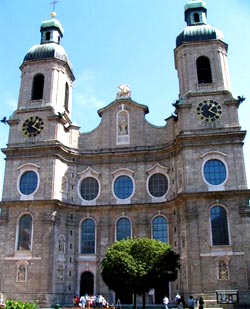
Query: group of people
point(90, 301)
point(180, 302)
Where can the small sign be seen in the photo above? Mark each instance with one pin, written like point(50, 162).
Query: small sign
point(227, 297)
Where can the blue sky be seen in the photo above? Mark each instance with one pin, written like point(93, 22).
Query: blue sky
point(113, 42)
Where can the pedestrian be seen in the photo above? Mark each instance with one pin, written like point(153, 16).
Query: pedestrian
point(76, 301)
point(165, 302)
point(191, 302)
point(82, 302)
point(201, 303)
point(178, 300)
point(183, 303)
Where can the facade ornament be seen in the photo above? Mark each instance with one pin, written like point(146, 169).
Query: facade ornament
point(124, 92)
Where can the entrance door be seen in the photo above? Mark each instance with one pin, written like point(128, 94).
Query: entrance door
point(87, 283)
point(161, 292)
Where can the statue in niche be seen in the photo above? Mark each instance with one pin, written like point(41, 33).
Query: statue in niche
point(21, 273)
point(124, 92)
point(223, 270)
point(60, 273)
point(123, 123)
point(61, 244)
point(64, 184)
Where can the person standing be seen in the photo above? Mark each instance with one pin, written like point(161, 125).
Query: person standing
point(165, 302)
point(201, 303)
point(178, 300)
point(191, 302)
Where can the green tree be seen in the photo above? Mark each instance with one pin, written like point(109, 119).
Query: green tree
point(138, 265)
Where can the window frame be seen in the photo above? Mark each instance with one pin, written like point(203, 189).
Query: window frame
point(33, 184)
point(204, 70)
point(88, 172)
point(22, 170)
point(158, 169)
point(204, 175)
point(116, 228)
point(38, 82)
point(17, 242)
point(148, 182)
point(214, 155)
point(117, 194)
point(167, 227)
point(227, 226)
point(98, 188)
point(118, 173)
point(66, 97)
point(93, 240)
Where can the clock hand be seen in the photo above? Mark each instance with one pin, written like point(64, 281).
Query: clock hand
point(34, 125)
point(211, 110)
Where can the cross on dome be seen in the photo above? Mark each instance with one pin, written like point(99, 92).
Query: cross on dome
point(54, 2)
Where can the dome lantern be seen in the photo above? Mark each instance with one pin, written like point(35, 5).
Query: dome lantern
point(197, 28)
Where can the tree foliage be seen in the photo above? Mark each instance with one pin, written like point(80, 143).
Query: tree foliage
point(138, 265)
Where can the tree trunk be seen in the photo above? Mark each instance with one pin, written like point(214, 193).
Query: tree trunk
point(143, 300)
point(134, 302)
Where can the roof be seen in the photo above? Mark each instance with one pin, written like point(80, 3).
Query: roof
point(195, 4)
point(47, 51)
point(52, 23)
point(198, 33)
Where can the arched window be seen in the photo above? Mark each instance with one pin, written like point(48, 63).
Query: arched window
point(123, 229)
point(203, 70)
point(88, 237)
point(37, 88)
point(160, 229)
point(24, 233)
point(219, 226)
point(66, 97)
point(196, 18)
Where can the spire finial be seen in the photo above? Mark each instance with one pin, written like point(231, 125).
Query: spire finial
point(54, 2)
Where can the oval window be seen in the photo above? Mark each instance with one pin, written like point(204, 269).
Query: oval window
point(158, 185)
point(89, 188)
point(28, 182)
point(215, 172)
point(123, 187)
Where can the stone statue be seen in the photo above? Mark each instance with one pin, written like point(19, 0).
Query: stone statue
point(124, 92)
point(123, 124)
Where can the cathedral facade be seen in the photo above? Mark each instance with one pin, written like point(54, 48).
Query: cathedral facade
point(69, 195)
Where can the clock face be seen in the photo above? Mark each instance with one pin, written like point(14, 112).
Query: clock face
point(32, 126)
point(209, 111)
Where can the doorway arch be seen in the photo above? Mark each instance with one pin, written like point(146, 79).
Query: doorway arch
point(87, 283)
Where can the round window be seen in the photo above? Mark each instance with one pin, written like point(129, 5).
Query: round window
point(158, 185)
point(89, 188)
point(215, 172)
point(123, 187)
point(28, 182)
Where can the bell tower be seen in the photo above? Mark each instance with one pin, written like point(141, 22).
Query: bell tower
point(206, 110)
point(201, 53)
point(47, 75)
point(42, 120)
